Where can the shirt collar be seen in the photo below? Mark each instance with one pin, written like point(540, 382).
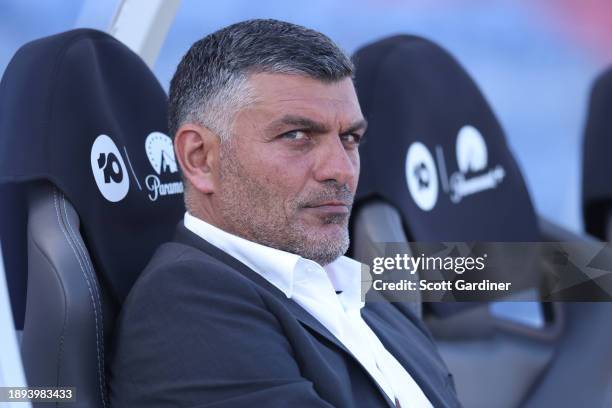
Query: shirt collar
point(282, 268)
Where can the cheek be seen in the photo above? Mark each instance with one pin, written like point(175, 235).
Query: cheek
point(282, 178)
point(286, 180)
point(279, 167)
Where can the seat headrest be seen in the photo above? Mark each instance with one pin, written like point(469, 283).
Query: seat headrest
point(434, 149)
point(597, 150)
point(81, 110)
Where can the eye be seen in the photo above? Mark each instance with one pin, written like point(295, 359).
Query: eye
point(351, 138)
point(295, 135)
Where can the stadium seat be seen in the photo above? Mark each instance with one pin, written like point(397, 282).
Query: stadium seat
point(83, 131)
point(429, 122)
point(596, 164)
point(436, 167)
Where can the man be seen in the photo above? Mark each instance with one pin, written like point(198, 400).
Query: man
point(254, 305)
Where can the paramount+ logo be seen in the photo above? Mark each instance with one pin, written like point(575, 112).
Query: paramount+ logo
point(161, 156)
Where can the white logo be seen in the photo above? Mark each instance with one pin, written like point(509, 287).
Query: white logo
point(160, 153)
point(161, 156)
point(109, 170)
point(472, 156)
point(421, 176)
point(471, 150)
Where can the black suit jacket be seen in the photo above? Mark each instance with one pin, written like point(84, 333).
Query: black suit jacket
point(201, 329)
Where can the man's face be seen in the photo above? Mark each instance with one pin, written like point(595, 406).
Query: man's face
point(288, 174)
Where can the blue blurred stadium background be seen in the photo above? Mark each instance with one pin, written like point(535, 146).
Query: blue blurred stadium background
point(535, 60)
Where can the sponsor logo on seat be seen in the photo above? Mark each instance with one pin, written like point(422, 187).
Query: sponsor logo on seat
point(472, 158)
point(160, 152)
point(421, 176)
point(473, 176)
point(109, 170)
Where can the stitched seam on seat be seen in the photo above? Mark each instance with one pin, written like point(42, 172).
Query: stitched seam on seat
point(63, 331)
point(62, 227)
point(96, 291)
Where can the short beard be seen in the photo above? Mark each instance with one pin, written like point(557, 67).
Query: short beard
point(323, 250)
point(248, 209)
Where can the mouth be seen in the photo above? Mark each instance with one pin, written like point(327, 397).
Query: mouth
point(330, 207)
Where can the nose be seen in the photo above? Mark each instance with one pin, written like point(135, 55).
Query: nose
point(336, 163)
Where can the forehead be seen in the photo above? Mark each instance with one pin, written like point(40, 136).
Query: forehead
point(281, 94)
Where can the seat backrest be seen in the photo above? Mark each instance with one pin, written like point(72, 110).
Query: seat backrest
point(434, 150)
point(596, 163)
point(84, 129)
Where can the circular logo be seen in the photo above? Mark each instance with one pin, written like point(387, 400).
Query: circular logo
point(421, 176)
point(161, 153)
point(108, 169)
point(471, 150)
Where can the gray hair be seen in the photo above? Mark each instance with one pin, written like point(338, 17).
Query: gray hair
point(211, 81)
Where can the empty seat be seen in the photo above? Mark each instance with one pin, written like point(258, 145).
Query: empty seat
point(435, 160)
point(436, 167)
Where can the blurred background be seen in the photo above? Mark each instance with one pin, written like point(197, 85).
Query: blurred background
point(535, 60)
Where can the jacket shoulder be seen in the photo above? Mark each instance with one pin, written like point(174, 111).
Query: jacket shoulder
point(176, 266)
point(192, 322)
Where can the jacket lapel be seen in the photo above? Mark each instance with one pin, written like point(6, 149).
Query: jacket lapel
point(185, 236)
point(414, 362)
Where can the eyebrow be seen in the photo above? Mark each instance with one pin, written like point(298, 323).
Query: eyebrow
point(361, 124)
point(312, 125)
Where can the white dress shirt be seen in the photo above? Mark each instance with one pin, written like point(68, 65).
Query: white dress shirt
point(314, 288)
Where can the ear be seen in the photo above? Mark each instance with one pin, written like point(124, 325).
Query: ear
point(197, 150)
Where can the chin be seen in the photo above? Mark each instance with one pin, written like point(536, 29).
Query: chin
point(332, 239)
point(331, 232)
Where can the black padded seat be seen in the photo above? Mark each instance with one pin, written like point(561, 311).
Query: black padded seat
point(435, 158)
point(436, 167)
point(83, 129)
